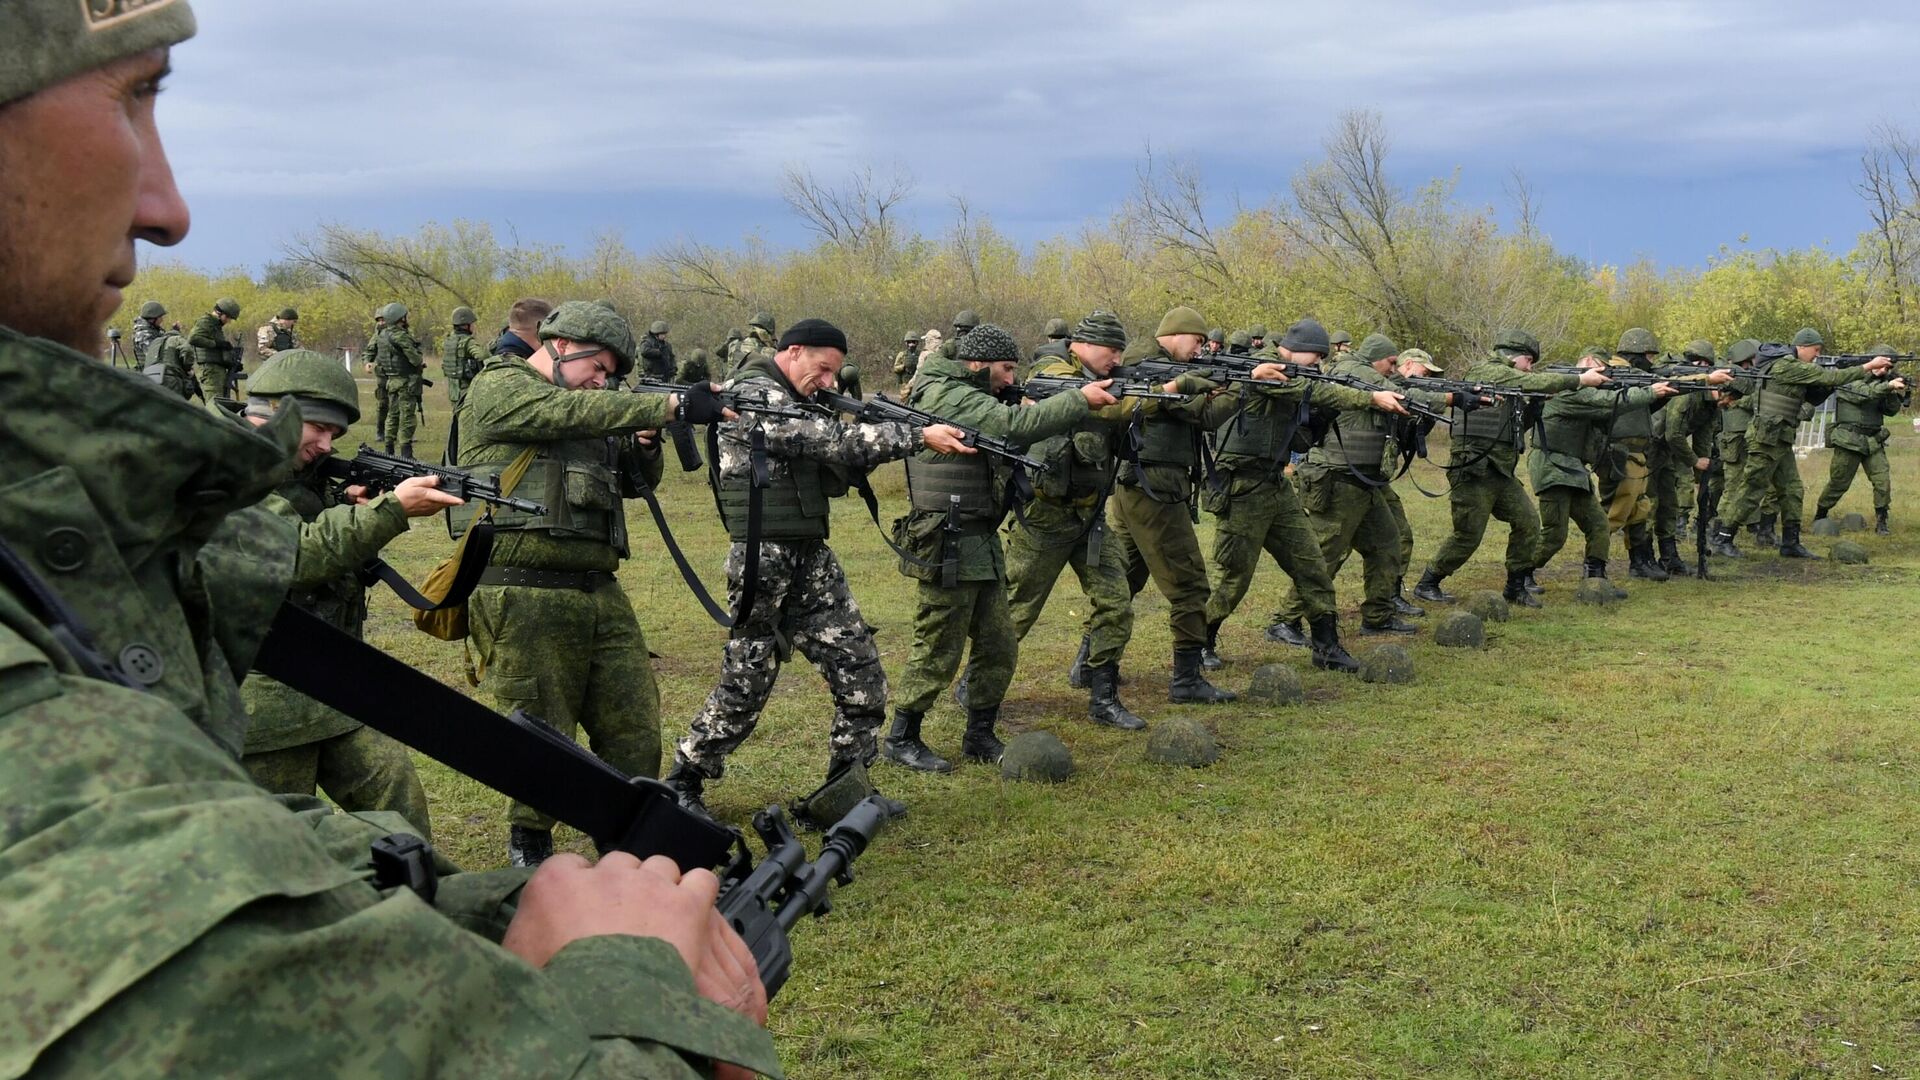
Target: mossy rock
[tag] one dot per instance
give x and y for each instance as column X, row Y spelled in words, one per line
column 1276, row 684
column 1387, row 664
column 1595, row 591
column 1182, row 740
column 1853, row 523
column 1037, row 755
column 1460, row 630
column 1489, row 605
column 1825, row 527
column 1846, row 551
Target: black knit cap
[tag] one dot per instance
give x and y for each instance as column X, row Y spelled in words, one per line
column 1306, row 336
column 813, row 334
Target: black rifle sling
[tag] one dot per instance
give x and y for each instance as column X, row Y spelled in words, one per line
column 517, row 756
column 466, row 577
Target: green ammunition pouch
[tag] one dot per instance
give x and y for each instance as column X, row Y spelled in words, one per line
column 794, row 506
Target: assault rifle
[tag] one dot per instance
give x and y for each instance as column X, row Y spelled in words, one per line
column 681, row 432
column 881, row 409
column 1308, row 371
column 1853, row 360
column 1042, row 387
column 1690, row 381
column 379, row 471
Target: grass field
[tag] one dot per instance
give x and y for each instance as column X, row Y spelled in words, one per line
column 1671, row 838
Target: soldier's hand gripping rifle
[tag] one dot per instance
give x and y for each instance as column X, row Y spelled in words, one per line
column 1308, row 371
column 881, row 409
column 1685, row 379
column 1852, row 360
column 380, row 471
column 1042, row 387
column 1474, row 389
column 680, row 432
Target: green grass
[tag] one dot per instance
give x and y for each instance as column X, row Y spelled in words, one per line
column 1674, row 837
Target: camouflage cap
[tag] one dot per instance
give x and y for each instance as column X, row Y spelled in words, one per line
column 1056, row 328
column 1698, row 349
column 1257, row 330
column 1100, row 328
column 589, row 323
column 1743, row 351
column 321, row 384
column 1636, row 341
column 153, row 309
column 990, row 343
column 462, row 316
column 1181, row 320
column 1807, row 335
column 966, row 320
column 1417, row 356
column 50, row 41
column 1376, row 347
column 658, row 326
column 227, row 306
column 1307, row 335
column 1517, row 341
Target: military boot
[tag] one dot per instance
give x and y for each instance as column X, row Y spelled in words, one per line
column 389, row 447
column 1880, row 526
column 1670, row 559
column 893, row 808
column 528, row 846
column 1721, row 543
column 1402, row 605
column 1103, row 700
column 1077, row 674
column 1516, row 591
column 1684, row 518
column 1597, row 568
column 1820, row 512
column 1531, row 585
column 980, row 743
column 1209, row 656
column 1428, row 589
column 406, row 450
column 1763, row 533
column 688, row 785
column 902, row 746
column 1287, row 632
column 1328, row 653
column 1189, row 685
column 1394, row 625
column 1641, row 564
column 1790, row 542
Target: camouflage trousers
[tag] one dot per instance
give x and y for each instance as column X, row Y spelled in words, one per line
column 380, row 406
column 456, row 391
column 1663, row 494
column 397, row 422
column 1347, row 517
column 802, row 598
column 1400, row 523
column 946, row 622
column 1768, row 465
column 212, row 379
column 1491, row 495
column 1053, row 539
column 1560, row 505
column 575, row 660
column 1157, row 540
column 1257, row 515
column 1623, row 477
column 1840, row 477
column 359, row 770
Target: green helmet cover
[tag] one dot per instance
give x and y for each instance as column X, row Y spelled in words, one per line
column 327, row 393
column 1636, row 341
column 463, row 316
column 153, row 309
column 227, row 306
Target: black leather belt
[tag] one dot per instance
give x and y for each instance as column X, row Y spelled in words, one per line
column 528, row 578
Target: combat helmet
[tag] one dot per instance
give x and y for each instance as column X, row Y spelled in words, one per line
column 327, row 394
column 657, row 327
column 762, row 320
column 966, row 320
column 1058, row 328
column 462, row 316
column 153, row 309
column 227, row 306
column 394, row 312
column 1637, row 341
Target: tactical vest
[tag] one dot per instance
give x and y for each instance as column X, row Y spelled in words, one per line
column 1500, row 422
column 342, row 602
column 451, row 361
column 934, row 484
column 796, row 504
column 388, row 365
column 1562, row 433
column 1255, row 435
column 282, row 338
column 1631, row 422
column 1777, row 399
column 1357, row 437
column 1738, row 413
column 576, row 482
column 1862, row 415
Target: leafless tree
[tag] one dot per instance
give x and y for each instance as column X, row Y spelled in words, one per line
column 1169, row 208
column 856, row 216
column 1889, row 186
column 698, row 270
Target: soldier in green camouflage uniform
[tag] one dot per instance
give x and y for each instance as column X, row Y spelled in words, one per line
column 1571, row 443
column 697, row 367
column 164, row 915
column 755, row 341
column 398, row 363
column 552, row 628
column 169, row 362
column 276, row 335
column 1795, row 379
column 1411, row 364
column 963, row 322
column 1346, row 481
column 952, row 530
column 656, row 353
column 1151, row 508
column 293, row 742
column 1682, row 454
column 1483, row 450
column 1858, row 439
column 801, row 600
column 461, row 357
column 1256, row 338
column 1342, row 343
column 1736, row 415
column 1054, row 348
column 1066, row 524
column 213, row 354
column 906, row 360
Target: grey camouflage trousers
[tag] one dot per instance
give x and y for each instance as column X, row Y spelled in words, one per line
column 803, row 593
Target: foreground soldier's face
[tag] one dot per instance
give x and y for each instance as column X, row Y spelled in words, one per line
column 1183, row 346
column 1523, row 361
column 1099, row 359
column 82, row 176
column 812, row 368
column 1807, row 353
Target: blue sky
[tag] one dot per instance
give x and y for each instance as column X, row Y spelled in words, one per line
column 1660, row 129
